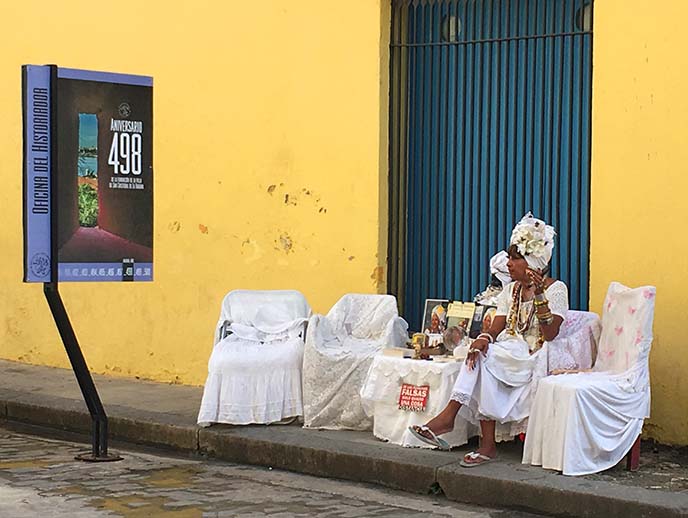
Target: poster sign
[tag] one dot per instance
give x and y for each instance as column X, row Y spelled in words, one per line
column 88, row 175
column 413, row 398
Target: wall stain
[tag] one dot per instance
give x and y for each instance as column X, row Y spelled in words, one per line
column 202, row 228
column 174, row 227
column 378, row 276
column 352, row 257
column 286, row 242
column 292, row 198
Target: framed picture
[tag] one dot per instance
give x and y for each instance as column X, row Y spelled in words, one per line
column 460, row 314
column 477, row 324
column 488, row 316
column 482, row 320
column 435, row 316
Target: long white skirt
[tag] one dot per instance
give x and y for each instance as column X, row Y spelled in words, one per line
column 500, row 387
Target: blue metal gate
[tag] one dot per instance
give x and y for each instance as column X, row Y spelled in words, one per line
column 490, row 107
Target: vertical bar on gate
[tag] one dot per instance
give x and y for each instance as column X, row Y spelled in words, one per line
column 544, row 42
column 435, row 144
column 468, row 153
column 423, row 190
column 485, row 158
column 503, row 120
column 449, row 252
column 538, row 112
column 585, row 195
column 396, row 62
column 393, row 162
column 493, row 50
column 475, row 170
column 583, row 173
column 404, row 132
column 531, row 31
column 443, row 86
column 519, row 184
column 413, row 274
column 572, row 209
column 459, row 157
column 403, row 152
column 560, row 179
column 511, row 118
column 549, row 65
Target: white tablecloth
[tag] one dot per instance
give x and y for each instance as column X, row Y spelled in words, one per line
column 380, row 397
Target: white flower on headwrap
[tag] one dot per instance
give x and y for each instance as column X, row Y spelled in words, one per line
column 534, row 240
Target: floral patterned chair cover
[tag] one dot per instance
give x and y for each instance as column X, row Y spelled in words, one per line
column 339, row 350
column 254, row 371
column 587, row 422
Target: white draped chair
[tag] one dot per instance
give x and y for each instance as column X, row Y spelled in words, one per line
column 254, row 371
column 587, row 422
column 340, row 347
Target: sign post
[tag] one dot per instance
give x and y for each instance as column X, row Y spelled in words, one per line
column 88, row 195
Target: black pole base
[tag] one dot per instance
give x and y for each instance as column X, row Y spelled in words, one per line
column 89, row 457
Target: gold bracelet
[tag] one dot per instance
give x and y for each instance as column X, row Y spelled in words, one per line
column 539, row 303
column 547, row 319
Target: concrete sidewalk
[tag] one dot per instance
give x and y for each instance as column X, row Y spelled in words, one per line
column 163, row 415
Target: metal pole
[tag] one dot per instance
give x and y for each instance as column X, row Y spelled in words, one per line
column 83, row 376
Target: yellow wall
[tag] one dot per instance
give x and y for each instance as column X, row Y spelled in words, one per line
column 639, row 182
column 268, row 124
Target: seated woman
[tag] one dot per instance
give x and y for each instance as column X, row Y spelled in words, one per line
column 495, row 384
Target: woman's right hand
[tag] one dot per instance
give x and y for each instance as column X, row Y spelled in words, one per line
column 478, row 346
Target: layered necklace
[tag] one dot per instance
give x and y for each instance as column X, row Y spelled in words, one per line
column 516, row 322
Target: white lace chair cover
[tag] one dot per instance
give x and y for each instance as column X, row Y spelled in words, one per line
column 254, row 371
column 587, row 422
column 339, row 350
column 576, row 345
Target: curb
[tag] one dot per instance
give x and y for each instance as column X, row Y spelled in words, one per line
column 356, row 457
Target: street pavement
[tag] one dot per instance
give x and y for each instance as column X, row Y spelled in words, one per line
column 164, row 415
column 40, row 478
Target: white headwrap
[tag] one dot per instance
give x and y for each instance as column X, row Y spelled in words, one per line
column 440, row 312
column 498, row 267
column 534, row 240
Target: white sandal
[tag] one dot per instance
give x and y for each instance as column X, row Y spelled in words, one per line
column 435, row 441
column 474, row 455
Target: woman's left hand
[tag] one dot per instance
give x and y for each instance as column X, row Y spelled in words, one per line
column 478, row 347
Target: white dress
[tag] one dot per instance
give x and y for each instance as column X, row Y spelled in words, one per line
column 501, row 385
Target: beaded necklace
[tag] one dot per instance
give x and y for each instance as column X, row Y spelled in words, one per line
column 515, row 324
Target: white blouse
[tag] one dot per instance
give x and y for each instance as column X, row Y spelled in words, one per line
column 558, row 296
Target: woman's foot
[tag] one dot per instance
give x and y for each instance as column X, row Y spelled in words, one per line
column 439, row 426
column 479, row 456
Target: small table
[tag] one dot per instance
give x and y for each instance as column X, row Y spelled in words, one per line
column 380, row 397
